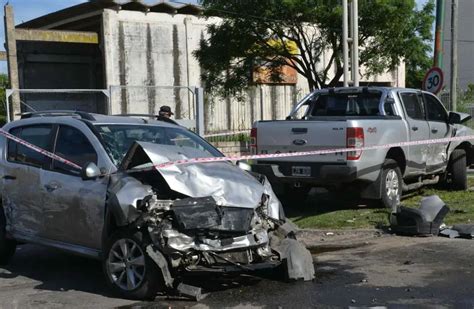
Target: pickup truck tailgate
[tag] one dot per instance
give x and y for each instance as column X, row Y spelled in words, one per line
column 293, row 136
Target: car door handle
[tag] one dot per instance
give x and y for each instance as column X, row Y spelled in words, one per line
column 9, row 177
column 434, row 131
column 52, row 186
column 414, row 128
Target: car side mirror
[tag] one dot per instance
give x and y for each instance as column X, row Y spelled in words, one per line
column 454, row 118
column 90, row 171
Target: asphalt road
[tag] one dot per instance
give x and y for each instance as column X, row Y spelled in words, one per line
column 386, row 270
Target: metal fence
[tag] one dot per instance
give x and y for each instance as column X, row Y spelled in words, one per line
column 187, row 103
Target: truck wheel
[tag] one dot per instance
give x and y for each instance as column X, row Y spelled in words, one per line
column 7, row 246
column 392, row 181
column 457, row 168
column 128, row 268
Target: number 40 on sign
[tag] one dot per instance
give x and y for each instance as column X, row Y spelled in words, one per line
column 433, row 81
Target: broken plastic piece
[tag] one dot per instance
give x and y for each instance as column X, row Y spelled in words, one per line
column 459, row 231
column 299, row 262
column 190, row 291
column 423, row 221
column 160, row 260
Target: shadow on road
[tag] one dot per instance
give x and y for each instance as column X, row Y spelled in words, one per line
column 56, row 271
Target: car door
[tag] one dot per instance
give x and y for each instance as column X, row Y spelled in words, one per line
column 418, row 130
column 73, row 207
column 21, row 192
column 437, row 117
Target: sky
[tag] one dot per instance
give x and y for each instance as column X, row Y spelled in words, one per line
column 25, row 10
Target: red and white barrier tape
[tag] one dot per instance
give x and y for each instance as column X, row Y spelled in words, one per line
column 250, row 157
column 38, row 149
column 247, row 132
column 314, row 152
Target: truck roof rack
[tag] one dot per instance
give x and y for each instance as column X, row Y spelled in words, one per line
column 83, row 115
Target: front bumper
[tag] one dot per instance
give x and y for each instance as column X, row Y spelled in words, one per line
column 321, row 174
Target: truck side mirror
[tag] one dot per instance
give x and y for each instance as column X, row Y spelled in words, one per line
column 454, row 118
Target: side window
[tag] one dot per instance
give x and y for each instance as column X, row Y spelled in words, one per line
column 73, row 145
column 435, row 109
column 413, row 105
column 39, row 135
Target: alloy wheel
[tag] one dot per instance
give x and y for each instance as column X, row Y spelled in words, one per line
column 126, row 264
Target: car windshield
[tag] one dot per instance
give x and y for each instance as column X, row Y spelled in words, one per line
column 118, row 139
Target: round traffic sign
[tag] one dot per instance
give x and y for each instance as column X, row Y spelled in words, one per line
column 433, row 81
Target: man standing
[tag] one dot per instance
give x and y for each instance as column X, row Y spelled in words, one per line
column 165, row 114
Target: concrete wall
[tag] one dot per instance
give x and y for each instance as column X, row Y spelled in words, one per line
column 155, row 49
column 465, row 44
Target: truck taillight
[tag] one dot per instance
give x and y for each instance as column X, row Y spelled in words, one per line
column 355, row 139
column 253, row 141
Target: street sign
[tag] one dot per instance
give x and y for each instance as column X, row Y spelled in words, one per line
column 433, row 81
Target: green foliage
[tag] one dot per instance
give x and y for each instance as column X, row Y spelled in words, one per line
column 419, row 62
column 336, row 212
column 389, row 31
column 4, row 84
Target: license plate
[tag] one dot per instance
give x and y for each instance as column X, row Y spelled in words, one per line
column 301, row 171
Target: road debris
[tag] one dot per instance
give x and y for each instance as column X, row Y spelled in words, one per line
column 423, row 221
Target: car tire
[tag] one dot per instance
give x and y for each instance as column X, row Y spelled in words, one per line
column 391, row 184
column 457, row 168
column 7, row 246
column 131, row 274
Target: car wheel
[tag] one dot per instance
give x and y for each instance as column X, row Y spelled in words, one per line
column 457, row 168
column 392, row 181
column 128, row 268
column 7, row 246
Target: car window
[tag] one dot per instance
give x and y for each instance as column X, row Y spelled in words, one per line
column 73, row 145
column 413, row 105
column 346, row 104
column 435, row 110
column 38, row 135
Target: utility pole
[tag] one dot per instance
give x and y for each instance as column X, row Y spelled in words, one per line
column 355, row 43
column 345, row 44
column 354, row 40
column 454, row 53
column 439, row 34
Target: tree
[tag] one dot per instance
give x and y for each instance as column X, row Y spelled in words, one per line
column 4, row 84
column 262, row 32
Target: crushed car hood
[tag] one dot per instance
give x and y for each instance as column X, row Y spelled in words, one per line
column 225, row 182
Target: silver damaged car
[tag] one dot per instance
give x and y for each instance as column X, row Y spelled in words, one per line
column 149, row 226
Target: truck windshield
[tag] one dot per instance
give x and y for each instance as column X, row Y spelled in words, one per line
column 117, row 139
column 346, row 104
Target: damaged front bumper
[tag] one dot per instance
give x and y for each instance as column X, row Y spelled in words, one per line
column 197, row 235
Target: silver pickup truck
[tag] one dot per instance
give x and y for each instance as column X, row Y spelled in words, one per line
column 365, row 116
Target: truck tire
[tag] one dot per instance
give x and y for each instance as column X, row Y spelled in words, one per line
column 129, row 271
column 7, row 246
column 391, row 184
column 457, row 169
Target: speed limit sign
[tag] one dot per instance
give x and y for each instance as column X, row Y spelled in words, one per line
column 433, row 80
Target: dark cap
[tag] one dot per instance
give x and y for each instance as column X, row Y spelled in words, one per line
column 166, row 109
